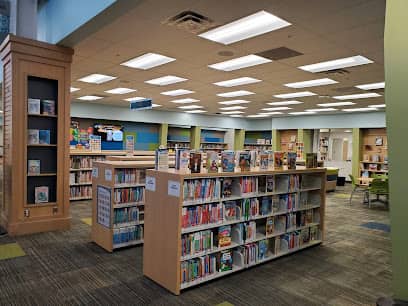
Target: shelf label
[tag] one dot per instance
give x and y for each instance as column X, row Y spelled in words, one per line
column 108, row 174
column 150, row 183
column 95, row 173
column 173, row 188
column 103, row 200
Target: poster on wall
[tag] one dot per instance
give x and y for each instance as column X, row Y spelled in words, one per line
column 103, row 206
column 130, row 143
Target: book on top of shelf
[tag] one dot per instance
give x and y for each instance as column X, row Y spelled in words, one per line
column 278, row 159
column 33, row 136
column 263, row 161
column 228, row 161
column 162, row 159
column 33, row 167
column 33, row 106
column 254, row 157
column 48, row 107
column 291, row 160
column 41, row 194
column 212, row 162
column 245, row 161
column 182, row 159
column 44, row 136
column 311, row 160
column 195, row 162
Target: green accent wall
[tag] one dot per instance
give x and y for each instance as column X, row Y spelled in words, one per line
column 276, row 144
column 195, row 137
column 396, row 79
column 356, row 152
column 239, row 139
column 306, row 136
column 163, row 131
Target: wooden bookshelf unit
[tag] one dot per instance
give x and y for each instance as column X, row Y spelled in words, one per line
column 118, row 204
column 374, row 152
column 207, row 225
column 288, row 139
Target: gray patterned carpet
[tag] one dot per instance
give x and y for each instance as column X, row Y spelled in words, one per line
column 353, row 267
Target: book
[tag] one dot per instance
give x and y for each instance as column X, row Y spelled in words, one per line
column 212, row 162
column 270, row 226
column 33, row 167
column 161, row 159
column 41, row 194
column 44, row 136
column 263, row 161
column 291, row 161
column 263, row 249
column 224, row 236
column 278, row 160
column 33, row 137
column 225, row 261
column 48, row 107
column 182, row 159
column 33, row 106
column 245, row 161
column 226, row 187
column 195, row 162
column 311, row 160
column 270, row 183
column 231, row 211
column 228, row 161
column 253, row 158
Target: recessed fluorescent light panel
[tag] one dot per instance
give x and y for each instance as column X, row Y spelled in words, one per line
column 155, row 105
column 148, row 60
column 237, row 93
column 233, row 107
column 302, row 113
column 311, row 83
column 120, row 91
column 253, row 25
column 240, row 62
column 371, row 86
column 186, row 100
column 166, row 80
column 237, row 82
column 196, row 111
column 257, row 116
column 377, row 106
column 72, row 89
column 190, row 106
column 295, row 95
column 232, row 113
column 276, row 108
column 97, row 78
column 336, row 104
column 177, row 92
column 284, row 103
column 337, row 64
column 89, row 98
column 358, row 96
column 134, row 99
column 321, row 110
column 359, row 109
column 233, row 102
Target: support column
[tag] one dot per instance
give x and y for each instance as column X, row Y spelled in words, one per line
column 239, row 139
column 276, row 143
column 396, row 78
column 356, row 152
column 195, row 137
column 163, row 131
column 306, row 136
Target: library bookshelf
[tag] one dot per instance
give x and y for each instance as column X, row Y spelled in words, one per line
column 118, row 204
column 248, row 218
column 374, row 153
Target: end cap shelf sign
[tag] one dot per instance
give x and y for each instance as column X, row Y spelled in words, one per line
column 141, row 104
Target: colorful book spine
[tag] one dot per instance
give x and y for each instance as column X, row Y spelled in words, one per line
column 201, row 189
column 127, row 234
column 197, row 242
column 129, row 195
column 127, row 214
column 197, row 268
column 201, row 215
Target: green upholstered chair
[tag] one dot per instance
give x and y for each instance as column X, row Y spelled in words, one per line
column 378, row 187
column 357, row 188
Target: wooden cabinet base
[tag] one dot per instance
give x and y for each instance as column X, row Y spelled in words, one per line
column 33, row 226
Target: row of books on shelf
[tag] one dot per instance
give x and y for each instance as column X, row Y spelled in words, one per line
column 241, row 210
column 245, row 255
column 375, row 158
column 80, row 177
column 206, row 189
column 129, row 195
column 80, row 192
column 127, row 234
column 130, row 176
column 35, row 137
column 40, row 106
column 81, row 162
column 374, row 167
column 127, row 214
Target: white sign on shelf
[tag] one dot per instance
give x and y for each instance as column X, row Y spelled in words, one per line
column 95, row 173
column 150, row 183
column 108, row 174
column 103, row 200
column 173, row 188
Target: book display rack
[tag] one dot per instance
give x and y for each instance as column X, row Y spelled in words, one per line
column 374, row 153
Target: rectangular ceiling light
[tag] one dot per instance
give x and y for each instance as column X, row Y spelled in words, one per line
column 371, row 86
column 232, row 113
column 302, row 113
column 284, row 103
column 90, row 98
column 186, row 100
column 237, row 82
column 134, row 99
column 321, row 110
column 147, row 61
column 196, row 111
column 358, row 96
column 363, row 109
column 237, row 93
column 193, row 106
column 336, row 104
column 72, row 89
column 166, row 80
column 233, row 102
column 377, row 106
column 177, row 92
column 257, row 116
column 253, row 25
column 311, row 83
column 233, row 107
column 155, row 105
column 120, row 91
column 276, row 108
column 337, row 64
column 97, row 78
column 295, row 95
column 240, row 62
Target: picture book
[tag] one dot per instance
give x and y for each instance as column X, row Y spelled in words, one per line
column 278, row 159
column 228, row 161
column 263, row 249
column 224, row 236
column 212, row 162
column 266, row 205
column 311, row 160
column 263, row 161
column 162, row 159
column 226, row 187
column 44, row 136
column 33, row 137
column 261, row 184
column 291, row 160
column 33, row 106
column 270, row 183
column 253, row 158
column 195, row 162
column 48, row 107
column 182, row 159
column 33, row 167
column 270, row 226
column 225, row 261
column 41, row 194
column 231, row 211
column 245, row 161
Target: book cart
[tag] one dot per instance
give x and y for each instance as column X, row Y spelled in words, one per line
column 203, row 226
column 118, row 204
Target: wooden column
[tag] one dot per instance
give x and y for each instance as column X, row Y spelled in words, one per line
column 195, row 137
column 239, row 139
column 163, row 132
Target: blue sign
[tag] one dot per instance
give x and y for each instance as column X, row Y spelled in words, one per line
column 141, row 104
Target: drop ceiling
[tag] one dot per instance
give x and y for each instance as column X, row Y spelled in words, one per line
column 321, row 30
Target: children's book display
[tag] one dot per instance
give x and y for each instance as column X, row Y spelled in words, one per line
column 195, row 162
column 182, row 159
column 161, row 159
column 212, row 162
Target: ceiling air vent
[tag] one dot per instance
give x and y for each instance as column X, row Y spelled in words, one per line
column 190, row 21
column 336, row 72
column 279, row 53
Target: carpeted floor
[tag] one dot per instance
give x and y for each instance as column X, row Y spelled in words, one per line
column 353, row 267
